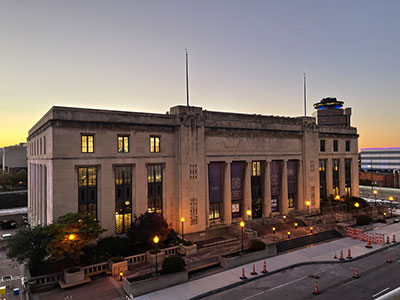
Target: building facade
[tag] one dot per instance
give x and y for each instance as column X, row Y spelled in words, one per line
column 380, row 159
column 14, row 158
column 207, row 167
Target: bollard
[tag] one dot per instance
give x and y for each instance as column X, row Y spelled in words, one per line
column 349, row 254
column 394, row 238
column 335, row 257
column 316, row 291
column 243, row 274
column 387, row 240
column 341, row 255
column 389, row 259
column 368, row 245
column 264, row 268
column 356, row 276
column 254, row 270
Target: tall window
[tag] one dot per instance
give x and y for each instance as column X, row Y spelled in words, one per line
column 256, row 189
column 154, row 144
column 347, row 172
column 322, row 145
column 123, row 144
column 347, row 146
column 154, row 188
column 335, row 176
column 215, row 210
column 123, row 199
column 44, row 145
column 87, row 143
column 322, row 178
column 292, row 182
column 87, row 191
column 335, row 145
column 215, row 189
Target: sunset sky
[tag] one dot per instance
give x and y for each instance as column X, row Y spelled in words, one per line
column 245, row 56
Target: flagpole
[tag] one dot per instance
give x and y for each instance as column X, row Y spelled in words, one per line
column 305, row 95
column 187, row 79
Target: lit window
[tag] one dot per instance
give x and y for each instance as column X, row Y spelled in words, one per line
column 154, row 144
column 256, row 168
column 87, row 144
column 123, row 144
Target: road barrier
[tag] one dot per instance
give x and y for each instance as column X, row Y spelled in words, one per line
column 389, row 259
column 349, row 254
column 356, row 276
column 341, row 255
column 264, row 268
column 254, row 270
column 243, row 274
column 394, row 238
column 371, row 238
column 316, row 291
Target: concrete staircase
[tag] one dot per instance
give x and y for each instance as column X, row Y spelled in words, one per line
column 294, row 243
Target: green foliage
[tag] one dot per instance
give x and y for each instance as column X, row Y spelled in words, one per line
column 187, row 243
column 145, row 227
column 363, row 220
column 256, row 245
column 116, row 246
column 30, row 246
column 6, row 180
column 172, row 239
column 350, row 203
column 173, row 264
column 82, row 228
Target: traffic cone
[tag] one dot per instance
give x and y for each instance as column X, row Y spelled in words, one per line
column 368, row 245
column 349, row 254
column 387, row 240
column 394, row 238
column 356, row 276
column 264, row 268
column 341, row 255
column 316, row 291
column 335, row 257
column 254, row 270
column 389, row 259
column 243, row 274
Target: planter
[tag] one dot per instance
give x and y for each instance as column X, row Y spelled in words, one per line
column 188, row 250
column 149, row 285
column 74, row 277
column 242, row 259
column 151, row 258
column 117, row 266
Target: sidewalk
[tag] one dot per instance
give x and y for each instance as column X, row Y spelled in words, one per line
column 322, row 252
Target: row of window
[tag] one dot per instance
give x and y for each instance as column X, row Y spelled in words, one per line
column 335, row 177
column 335, row 146
column 38, row 146
column 87, row 193
column 87, row 143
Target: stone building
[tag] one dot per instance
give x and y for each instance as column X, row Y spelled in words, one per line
column 14, row 158
column 207, row 167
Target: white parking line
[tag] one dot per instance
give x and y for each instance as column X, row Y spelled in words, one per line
column 384, row 290
column 274, row 288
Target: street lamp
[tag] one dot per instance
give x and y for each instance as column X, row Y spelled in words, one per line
column 375, row 192
column 311, row 229
column 308, row 203
column 284, row 218
column 156, row 240
column 120, row 276
column 71, row 237
column 248, row 218
column 183, row 222
column 273, row 230
column 357, row 205
column 337, row 197
column 295, row 225
column 242, row 226
column 391, row 206
column 288, row 234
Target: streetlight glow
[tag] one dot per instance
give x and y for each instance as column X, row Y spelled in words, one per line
column 375, row 192
column 182, row 219
column 71, row 237
column 248, row 212
column 241, row 224
column 308, row 203
column 357, row 205
column 337, row 197
column 156, row 240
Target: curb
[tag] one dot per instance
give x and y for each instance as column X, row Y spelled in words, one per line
column 239, row 283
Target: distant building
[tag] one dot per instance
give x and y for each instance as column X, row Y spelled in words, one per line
column 380, row 159
column 1, row 158
column 14, row 158
column 207, row 167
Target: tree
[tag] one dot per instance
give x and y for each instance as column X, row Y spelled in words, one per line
column 20, row 178
column 5, row 180
column 145, row 227
column 30, row 245
column 72, row 233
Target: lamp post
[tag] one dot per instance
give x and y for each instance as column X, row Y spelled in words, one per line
column 391, row 206
column 273, row 230
column 357, row 205
column 284, row 218
column 156, row 240
column 337, row 197
column 242, row 226
column 295, row 225
column 375, row 192
column 183, row 234
column 120, row 276
column 248, row 212
column 311, row 229
column 308, row 203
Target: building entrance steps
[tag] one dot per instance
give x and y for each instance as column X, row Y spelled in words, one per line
column 315, row 254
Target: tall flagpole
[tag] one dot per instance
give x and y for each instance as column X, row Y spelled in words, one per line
column 305, row 95
column 187, row 79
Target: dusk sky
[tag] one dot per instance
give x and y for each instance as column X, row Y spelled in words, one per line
column 244, row 56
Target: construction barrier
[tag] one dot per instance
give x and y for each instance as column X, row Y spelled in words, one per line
column 373, row 238
column 379, row 239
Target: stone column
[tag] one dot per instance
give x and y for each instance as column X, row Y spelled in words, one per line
column 329, row 177
column 342, row 177
column 37, row 199
column 247, row 190
column 300, row 191
column 266, row 205
column 284, row 196
column 355, row 191
column 227, row 194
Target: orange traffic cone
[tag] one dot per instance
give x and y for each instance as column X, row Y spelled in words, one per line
column 335, row 257
column 341, row 255
column 387, row 240
column 243, row 274
column 356, row 276
column 254, row 270
column 349, row 254
column 264, row 268
column 389, row 259
column 394, row 239
column 316, row 291
column 368, row 245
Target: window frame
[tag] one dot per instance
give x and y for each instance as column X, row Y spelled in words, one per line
column 322, row 146
column 87, row 142
column 154, row 144
column 123, row 136
column 348, row 146
column 335, row 145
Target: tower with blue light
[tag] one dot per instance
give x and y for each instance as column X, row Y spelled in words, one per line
column 330, row 112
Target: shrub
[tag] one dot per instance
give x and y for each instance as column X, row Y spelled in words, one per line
column 187, row 243
column 256, row 245
column 363, row 220
column 115, row 246
column 172, row 239
column 173, row 264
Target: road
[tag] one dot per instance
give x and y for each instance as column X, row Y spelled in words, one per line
column 335, row 281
